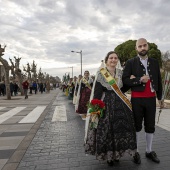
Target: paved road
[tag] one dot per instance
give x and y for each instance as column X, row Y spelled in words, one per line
column 19, row 121
column 58, row 143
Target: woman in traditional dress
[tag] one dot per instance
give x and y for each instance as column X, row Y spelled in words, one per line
column 71, row 91
column 76, row 89
column 115, row 132
column 83, row 94
column 70, row 88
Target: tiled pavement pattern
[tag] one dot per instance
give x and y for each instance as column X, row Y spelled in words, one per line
column 59, row 146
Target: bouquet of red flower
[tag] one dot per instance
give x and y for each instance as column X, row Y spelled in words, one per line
column 96, row 108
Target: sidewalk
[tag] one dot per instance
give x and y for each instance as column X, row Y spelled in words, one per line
column 59, row 145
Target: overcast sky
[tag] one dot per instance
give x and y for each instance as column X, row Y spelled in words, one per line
column 46, row 31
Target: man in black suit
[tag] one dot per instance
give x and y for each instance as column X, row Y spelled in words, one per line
column 142, row 75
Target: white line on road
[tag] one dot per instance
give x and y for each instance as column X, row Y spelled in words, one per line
column 60, row 114
column 33, row 115
column 10, row 113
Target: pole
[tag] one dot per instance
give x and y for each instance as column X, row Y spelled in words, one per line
column 72, row 71
column 81, row 60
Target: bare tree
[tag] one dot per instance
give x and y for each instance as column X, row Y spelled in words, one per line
column 34, row 71
column 12, row 67
column 6, row 68
column 19, row 74
column 29, row 71
column 40, row 76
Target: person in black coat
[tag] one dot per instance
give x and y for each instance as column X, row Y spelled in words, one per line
column 11, row 88
column 15, row 88
column 142, row 74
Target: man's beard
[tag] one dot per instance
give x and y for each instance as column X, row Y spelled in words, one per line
column 143, row 53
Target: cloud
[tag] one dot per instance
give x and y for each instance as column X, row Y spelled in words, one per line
column 48, row 30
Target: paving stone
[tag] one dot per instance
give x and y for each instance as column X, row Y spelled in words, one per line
column 27, row 168
column 81, row 168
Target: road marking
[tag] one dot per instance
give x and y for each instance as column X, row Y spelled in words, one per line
column 2, row 108
column 59, row 114
column 33, row 115
column 10, row 113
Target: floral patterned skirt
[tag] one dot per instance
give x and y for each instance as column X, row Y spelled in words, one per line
column 115, row 133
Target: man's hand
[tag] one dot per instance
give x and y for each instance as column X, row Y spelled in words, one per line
column 144, row 79
column 161, row 104
column 132, row 77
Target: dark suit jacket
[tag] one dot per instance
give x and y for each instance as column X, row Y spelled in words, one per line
column 136, row 68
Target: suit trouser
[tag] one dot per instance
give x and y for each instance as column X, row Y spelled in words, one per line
column 26, row 92
column 144, row 108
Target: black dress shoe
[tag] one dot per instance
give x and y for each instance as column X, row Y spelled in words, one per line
column 136, row 158
column 110, row 163
column 152, row 155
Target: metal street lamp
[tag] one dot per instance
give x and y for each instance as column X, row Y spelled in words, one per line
column 80, row 52
column 72, row 70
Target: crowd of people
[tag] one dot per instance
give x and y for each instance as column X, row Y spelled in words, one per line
column 28, row 87
column 118, row 126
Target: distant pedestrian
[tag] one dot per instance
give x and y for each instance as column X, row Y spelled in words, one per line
column 25, row 85
column 2, row 88
column 11, row 88
column 34, row 86
column 48, row 87
column 15, row 88
column 30, row 87
column 41, row 87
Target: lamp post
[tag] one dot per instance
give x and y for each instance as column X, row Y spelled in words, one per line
column 72, row 70
column 80, row 52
